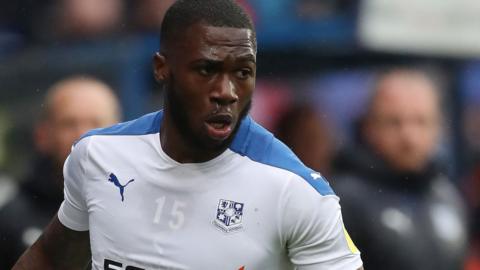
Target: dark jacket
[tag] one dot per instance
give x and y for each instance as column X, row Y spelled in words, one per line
column 32, row 206
column 400, row 220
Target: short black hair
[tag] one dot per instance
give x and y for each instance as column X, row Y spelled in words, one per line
column 219, row 13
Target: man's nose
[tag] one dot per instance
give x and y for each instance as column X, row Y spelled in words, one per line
column 224, row 92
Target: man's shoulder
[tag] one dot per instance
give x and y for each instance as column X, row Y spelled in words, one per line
column 259, row 145
column 144, row 125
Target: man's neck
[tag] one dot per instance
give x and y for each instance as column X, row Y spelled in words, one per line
column 181, row 149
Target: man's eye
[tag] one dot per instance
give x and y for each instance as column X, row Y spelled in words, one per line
column 244, row 73
column 206, row 70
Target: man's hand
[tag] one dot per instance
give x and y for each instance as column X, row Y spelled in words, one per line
column 57, row 248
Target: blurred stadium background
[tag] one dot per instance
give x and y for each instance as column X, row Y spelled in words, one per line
column 324, row 52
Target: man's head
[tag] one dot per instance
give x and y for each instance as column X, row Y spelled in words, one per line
column 207, row 65
column 183, row 14
column 87, row 18
column 403, row 121
column 72, row 107
column 315, row 147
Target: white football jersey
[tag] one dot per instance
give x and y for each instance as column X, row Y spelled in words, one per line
column 256, row 206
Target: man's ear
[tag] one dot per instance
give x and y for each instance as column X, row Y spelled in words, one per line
column 160, row 68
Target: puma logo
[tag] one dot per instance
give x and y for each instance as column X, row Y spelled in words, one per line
column 113, row 178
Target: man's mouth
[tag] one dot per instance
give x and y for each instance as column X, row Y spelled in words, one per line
column 219, row 126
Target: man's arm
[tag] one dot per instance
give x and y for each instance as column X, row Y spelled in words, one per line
column 313, row 228
column 57, row 248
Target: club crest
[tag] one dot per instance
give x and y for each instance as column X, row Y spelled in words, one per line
column 229, row 216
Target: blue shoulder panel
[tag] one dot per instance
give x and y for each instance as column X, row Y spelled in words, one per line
column 147, row 124
column 259, row 145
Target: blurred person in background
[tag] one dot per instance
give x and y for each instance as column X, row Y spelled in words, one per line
column 82, row 20
column 472, row 191
column 147, row 15
column 471, row 185
column 316, row 10
column 403, row 212
column 309, row 136
column 71, row 107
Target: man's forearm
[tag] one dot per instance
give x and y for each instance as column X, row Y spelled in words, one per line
column 33, row 259
column 57, row 248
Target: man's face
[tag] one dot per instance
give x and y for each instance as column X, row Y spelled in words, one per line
column 75, row 109
column 211, row 77
column 404, row 122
